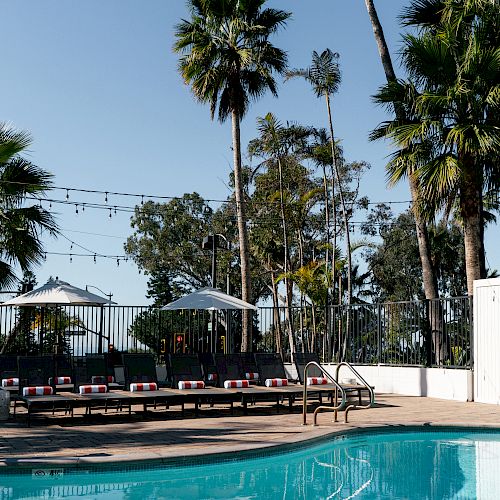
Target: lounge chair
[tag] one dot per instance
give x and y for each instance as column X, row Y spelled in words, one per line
column 98, row 371
column 9, row 377
column 231, row 369
column 35, row 393
column 187, row 380
column 209, row 370
column 141, row 382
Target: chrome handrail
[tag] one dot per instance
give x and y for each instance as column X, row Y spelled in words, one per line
column 338, row 387
column 364, row 383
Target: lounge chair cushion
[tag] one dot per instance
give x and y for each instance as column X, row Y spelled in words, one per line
column 10, row 382
column 90, row 389
column 276, row 382
column 150, row 386
column 101, row 379
column 317, row 380
column 60, row 380
column 191, row 384
column 212, row 377
column 252, row 376
column 231, row 384
column 41, row 390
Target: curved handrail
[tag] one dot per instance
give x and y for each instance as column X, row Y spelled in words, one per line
column 364, row 383
column 329, row 408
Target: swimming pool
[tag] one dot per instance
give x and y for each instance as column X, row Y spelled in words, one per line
column 444, row 463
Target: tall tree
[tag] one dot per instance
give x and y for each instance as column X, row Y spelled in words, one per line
column 451, row 127
column 324, row 77
column 228, row 60
column 21, row 224
column 428, row 273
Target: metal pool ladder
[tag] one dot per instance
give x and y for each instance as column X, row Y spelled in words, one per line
column 364, row 385
column 338, row 388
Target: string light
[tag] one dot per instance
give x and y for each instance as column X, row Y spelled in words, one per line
column 106, row 198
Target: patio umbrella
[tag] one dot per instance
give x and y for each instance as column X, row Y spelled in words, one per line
column 60, row 293
column 210, row 299
column 57, row 292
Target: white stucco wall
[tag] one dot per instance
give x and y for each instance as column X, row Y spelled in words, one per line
column 411, row 381
column 487, row 341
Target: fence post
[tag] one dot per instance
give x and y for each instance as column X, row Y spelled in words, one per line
column 379, row 332
column 427, row 334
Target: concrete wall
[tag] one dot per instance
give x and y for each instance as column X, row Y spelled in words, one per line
column 487, row 341
column 411, row 381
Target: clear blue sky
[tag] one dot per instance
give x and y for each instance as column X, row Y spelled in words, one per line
column 96, row 84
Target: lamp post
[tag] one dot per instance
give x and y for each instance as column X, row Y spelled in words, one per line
column 101, row 319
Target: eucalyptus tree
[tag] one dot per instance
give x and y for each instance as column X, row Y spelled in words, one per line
column 228, row 60
column 21, row 223
column 275, row 145
column 451, row 131
column 324, row 77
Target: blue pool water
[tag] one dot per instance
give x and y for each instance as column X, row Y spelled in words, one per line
column 404, row 465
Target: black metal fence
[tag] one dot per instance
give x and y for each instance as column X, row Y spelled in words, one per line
column 423, row 333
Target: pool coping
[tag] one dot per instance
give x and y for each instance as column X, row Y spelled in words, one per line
column 225, row 453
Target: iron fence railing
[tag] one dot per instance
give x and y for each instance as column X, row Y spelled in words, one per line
column 423, row 333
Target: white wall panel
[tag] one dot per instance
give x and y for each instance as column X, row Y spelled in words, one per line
column 487, row 341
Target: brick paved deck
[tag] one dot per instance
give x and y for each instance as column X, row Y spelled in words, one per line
column 165, row 435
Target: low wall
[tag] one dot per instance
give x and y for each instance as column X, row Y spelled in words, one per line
column 441, row 383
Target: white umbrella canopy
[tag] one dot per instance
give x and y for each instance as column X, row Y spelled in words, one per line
column 210, row 299
column 58, row 292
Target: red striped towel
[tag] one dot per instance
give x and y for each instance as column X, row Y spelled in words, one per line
column 191, row 384
column 91, row 389
column 276, row 382
column 10, row 382
column 231, row 384
column 60, row 380
column 252, row 376
column 317, row 380
column 42, row 390
column 150, row 386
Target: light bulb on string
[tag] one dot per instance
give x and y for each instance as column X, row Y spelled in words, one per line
column 71, row 247
column 70, row 259
column 110, row 213
column 83, row 208
column 95, row 258
column 50, row 205
column 106, row 197
column 118, row 262
column 115, row 209
column 67, row 194
column 76, row 209
column 142, row 199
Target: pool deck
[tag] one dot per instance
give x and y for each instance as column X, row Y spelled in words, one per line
column 165, row 436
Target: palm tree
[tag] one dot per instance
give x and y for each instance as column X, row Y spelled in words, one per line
column 324, row 77
column 428, row 273
column 20, row 225
column 228, row 60
column 452, row 101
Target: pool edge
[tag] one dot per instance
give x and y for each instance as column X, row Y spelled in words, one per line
column 194, row 457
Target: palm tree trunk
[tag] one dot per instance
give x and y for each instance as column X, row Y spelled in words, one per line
column 470, row 208
column 428, row 274
column 246, row 336
column 288, row 284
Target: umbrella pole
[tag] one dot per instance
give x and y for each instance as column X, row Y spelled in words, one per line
column 101, row 324
column 40, row 332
